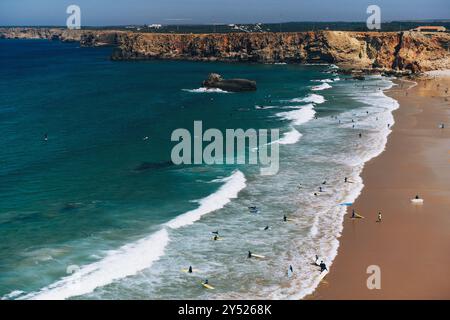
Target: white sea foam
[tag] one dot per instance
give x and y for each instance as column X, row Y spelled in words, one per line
column 132, row 258
column 311, row 98
column 123, row 262
column 299, row 116
column 12, row 295
column 323, row 80
column 384, row 105
column 321, row 87
column 206, row 90
column 290, row 137
column 230, row 190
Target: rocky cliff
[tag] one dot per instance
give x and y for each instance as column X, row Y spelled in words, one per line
column 405, row 51
column 86, row 38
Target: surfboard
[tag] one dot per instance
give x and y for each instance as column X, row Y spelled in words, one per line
column 257, row 256
column 322, row 276
column 417, row 201
column 187, row 270
column 348, row 204
column 289, row 220
column 357, row 216
column 218, row 239
column 207, row 286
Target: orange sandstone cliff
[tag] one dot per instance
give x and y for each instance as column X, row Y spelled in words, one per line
column 408, row 52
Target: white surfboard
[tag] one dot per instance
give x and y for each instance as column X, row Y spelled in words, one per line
column 417, row 201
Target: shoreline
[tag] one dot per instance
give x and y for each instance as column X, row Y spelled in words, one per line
column 409, row 245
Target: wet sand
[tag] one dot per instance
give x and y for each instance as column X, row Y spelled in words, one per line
column 412, row 243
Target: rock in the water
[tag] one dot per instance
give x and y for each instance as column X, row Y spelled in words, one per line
column 233, row 85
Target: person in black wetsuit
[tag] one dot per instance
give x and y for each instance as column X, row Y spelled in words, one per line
column 249, row 254
column 190, row 269
column 323, row 266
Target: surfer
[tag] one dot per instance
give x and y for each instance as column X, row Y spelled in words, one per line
column 353, row 214
column 360, row 135
column 266, row 228
column 291, row 269
column 417, row 197
column 46, row 137
column 249, row 254
column 206, row 281
column 323, row 266
column 345, row 179
column 315, row 194
column 190, row 269
column 320, row 189
column 284, row 218
column 379, row 217
column 216, row 237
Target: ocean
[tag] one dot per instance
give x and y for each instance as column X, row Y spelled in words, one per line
column 98, row 211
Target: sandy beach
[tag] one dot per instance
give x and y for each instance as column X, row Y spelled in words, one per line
column 412, row 243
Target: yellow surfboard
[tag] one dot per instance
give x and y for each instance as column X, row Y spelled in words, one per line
column 187, row 270
column 207, row 286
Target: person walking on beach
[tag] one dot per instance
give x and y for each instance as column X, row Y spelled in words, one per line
column 379, row 217
column 353, row 214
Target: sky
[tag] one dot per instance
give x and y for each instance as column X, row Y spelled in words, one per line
column 123, row 12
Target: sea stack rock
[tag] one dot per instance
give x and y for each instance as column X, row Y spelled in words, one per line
column 233, row 85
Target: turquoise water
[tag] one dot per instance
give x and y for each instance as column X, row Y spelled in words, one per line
column 101, row 198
